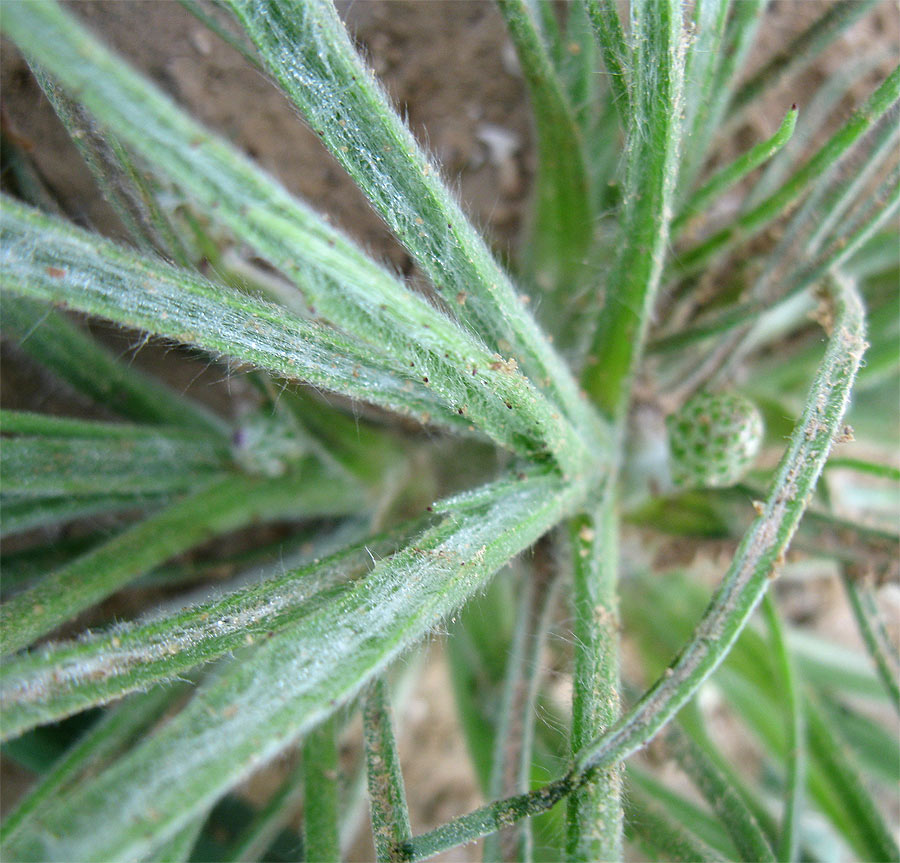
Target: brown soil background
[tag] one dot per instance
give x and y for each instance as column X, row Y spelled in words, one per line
column 451, row 69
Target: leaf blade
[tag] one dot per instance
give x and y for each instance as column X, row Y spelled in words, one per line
column 183, row 767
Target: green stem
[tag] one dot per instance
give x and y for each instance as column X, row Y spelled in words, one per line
column 747, row 578
column 489, row 819
column 320, row 797
column 595, row 807
column 387, row 796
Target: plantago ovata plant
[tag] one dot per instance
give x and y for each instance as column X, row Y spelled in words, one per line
column 653, row 304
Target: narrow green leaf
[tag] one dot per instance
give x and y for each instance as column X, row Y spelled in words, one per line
column 62, row 678
column 218, row 22
column 851, row 187
column 119, row 178
column 253, row 842
column 736, row 171
column 615, row 51
column 218, row 507
column 49, row 457
column 594, row 107
column 744, row 19
column 753, row 800
column 318, row 664
column 764, row 330
column 514, row 749
column 337, row 279
column 106, row 738
column 816, row 122
column 872, row 838
column 651, row 172
column 884, row 471
column 882, row 651
column 714, row 324
column 804, row 49
column 824, row 664
column 877, row 262
column 763, row 213
column 476, row 665
column 547, row 27
column 684, row 811
column 749, row 679
column 66, row 350
column 660, row 831
column 320, row 797
column 307, row 49
column 722, row 797
column 704, row 53
column 52, row 261
column 20, row 514
column 795, row 733
column 562, row 224
column 595, row 808
column 870, row 743
column 37, row 425
column 178, row 849
column 755, row 318
column 747, row 578
column 387, row 795
column 22, row 177
column 575, row 57
column 758, row 708
column 24, row 566
column 869, row 218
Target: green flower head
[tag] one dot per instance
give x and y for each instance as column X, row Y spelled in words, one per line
column 713, row 440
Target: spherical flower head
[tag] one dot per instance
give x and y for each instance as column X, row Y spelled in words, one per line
column 713, row 440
